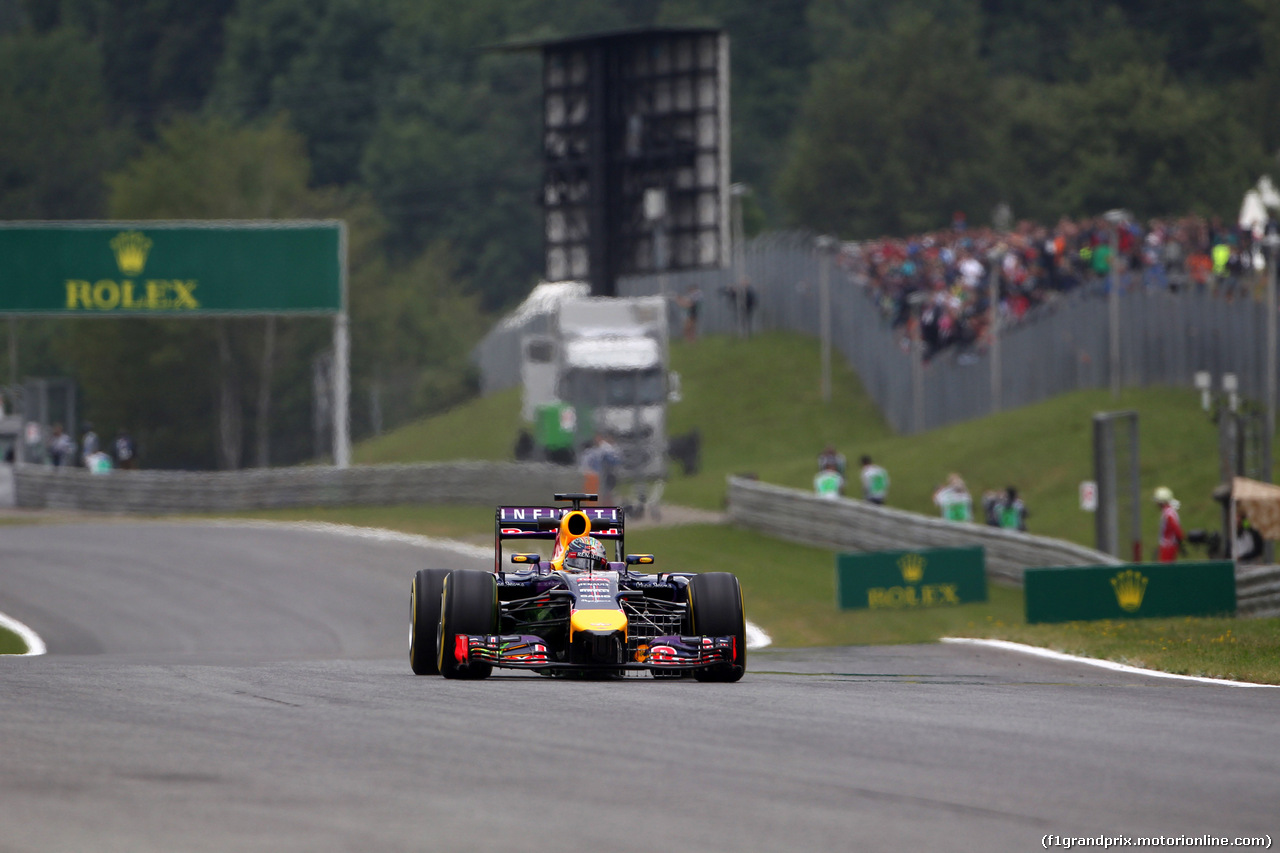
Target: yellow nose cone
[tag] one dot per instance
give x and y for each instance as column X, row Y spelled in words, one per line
column 599, row 621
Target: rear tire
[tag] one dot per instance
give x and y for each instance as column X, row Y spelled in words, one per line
column 715, row 610
column 424, row 620
column 469, row 605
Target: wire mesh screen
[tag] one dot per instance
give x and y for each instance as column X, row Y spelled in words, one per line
column 1058, row 347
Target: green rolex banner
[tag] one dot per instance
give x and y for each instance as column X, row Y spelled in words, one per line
column 902, row 580
column 171, row 268
column 1130, row 591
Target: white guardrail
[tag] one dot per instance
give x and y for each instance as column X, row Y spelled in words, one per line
column 161, row 492
column 854, row 525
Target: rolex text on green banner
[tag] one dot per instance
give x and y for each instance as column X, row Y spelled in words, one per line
column 1130, row 591
column 903, row 580
column 171, row 269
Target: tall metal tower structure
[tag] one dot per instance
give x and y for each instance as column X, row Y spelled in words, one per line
column 635, row 153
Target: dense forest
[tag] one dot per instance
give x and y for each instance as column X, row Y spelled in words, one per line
column 853, row 117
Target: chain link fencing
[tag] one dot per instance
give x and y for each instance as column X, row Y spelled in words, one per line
column 1060, row 346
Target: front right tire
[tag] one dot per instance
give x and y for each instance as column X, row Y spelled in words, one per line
column 424, row 620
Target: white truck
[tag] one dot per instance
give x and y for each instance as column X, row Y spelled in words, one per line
column 601, row 371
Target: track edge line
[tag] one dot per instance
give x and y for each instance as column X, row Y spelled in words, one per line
column 1098, row 662
column 35, row 645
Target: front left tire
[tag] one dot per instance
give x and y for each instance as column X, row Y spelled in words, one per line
column 468, row 606
column 715, row 610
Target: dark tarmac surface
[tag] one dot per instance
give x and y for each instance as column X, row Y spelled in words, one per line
column 215, row 687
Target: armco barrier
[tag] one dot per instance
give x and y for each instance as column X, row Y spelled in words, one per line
column 158, row 492
column 1258, row 591
column 800, row 516
column 847, row 524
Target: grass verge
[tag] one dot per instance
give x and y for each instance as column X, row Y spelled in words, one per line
column 1237, row 649
column 11, row 643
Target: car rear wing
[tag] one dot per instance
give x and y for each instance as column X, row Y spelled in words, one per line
column 543, row 523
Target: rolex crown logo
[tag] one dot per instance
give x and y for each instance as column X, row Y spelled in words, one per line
column 131, row 249
column 1130, row 585
column 912, row 566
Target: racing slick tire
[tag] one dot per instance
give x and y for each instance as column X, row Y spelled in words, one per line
column 424, row 620
column 715, row 610
column 469, row 605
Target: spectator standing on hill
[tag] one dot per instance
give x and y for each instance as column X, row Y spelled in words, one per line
column 831, row 458
column 600, row 463
column 62, row 448
column 690, row 302
column 98, row 462
column 1249, row 544
column 1169, row 537
column 126, row 451
column 953, row 500
column 991, row 500
column 88, row 443
column 829, row 483
column 748, row 307
column 875, row 482
column 1010, row 511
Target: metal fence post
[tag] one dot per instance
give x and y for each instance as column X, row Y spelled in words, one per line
column 825, row 245
column 993, row 284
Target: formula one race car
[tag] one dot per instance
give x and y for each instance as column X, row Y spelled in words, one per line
column 577, row 611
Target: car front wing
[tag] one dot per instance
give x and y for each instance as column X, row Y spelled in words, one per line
column 525, row 651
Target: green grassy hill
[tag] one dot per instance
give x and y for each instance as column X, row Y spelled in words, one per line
column 758, row 406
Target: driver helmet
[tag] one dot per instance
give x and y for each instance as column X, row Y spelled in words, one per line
column 585, row 554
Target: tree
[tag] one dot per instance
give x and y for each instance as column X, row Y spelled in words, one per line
column 158, row 55
column 1260, row 98
column 321, row 62
column 198, row 169
column 58, row 136
column 452, row 165
column 1129, row 138
column 889, row 143
column 411, row 327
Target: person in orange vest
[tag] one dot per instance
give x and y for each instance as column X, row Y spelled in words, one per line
column 1169, row 540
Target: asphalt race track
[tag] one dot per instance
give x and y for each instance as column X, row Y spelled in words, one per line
column 240, row 688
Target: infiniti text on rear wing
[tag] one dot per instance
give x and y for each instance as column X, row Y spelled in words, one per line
column 541, row 522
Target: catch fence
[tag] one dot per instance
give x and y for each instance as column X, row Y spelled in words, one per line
column 1061, row 346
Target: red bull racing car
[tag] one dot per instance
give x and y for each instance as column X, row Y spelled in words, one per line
column 578, row 611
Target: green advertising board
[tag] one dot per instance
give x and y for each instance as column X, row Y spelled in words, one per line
column 903, row 580
column 171, row 268
column 1130, row 591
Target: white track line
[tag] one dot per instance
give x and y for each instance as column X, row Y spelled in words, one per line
column 35, row 645
column 1104, row 664
column 756, row 637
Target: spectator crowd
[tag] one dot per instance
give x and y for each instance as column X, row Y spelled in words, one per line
column 939, row 284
